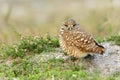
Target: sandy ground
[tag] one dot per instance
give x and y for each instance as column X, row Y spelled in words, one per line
column 107, row 64
column 110, row 61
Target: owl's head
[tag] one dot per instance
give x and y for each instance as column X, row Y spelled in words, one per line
column 70, row 24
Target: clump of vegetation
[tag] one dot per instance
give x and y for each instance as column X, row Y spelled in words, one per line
column 30, row 44
column 35, row 44
column 52, row 69
column 115, row 39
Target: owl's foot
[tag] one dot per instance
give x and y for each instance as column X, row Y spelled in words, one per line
column 72, row 58
column 75, row 60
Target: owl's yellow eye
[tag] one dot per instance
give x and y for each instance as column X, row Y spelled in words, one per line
column 74, row 25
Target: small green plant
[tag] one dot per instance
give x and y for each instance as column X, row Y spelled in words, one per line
column 38, row 44
column 30, row 44
column 115, row 39
column 12, row 51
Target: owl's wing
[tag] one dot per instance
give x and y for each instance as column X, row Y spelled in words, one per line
column 81, row 40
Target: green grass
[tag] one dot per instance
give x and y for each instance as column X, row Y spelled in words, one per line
column 115, row 38
column 52, row 69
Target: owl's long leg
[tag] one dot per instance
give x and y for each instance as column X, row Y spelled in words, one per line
column 73, row 58
column 89, row 59
column 78, row 61
column 80, row 57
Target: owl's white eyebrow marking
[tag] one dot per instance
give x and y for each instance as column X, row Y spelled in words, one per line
column 62, row 28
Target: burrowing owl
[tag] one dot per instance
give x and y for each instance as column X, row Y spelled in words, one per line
column 76, row 42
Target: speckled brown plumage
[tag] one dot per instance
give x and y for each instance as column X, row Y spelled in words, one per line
column 76, row 42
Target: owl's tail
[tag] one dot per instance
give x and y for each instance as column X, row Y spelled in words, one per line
column 99, row 49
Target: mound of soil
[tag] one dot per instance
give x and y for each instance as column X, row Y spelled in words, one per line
column 107, row 64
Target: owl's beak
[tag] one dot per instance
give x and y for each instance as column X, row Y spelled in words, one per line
column 70, row 27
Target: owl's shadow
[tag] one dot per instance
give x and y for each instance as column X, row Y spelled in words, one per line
column 86, row 61
column 87, row 57
column 90, row 57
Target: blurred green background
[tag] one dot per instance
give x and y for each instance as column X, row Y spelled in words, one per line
column 37, row 17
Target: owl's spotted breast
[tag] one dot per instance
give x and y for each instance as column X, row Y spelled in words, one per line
column 70, row 49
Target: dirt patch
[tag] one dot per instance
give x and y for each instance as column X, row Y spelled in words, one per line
column 110, row 61
column 107, row 64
